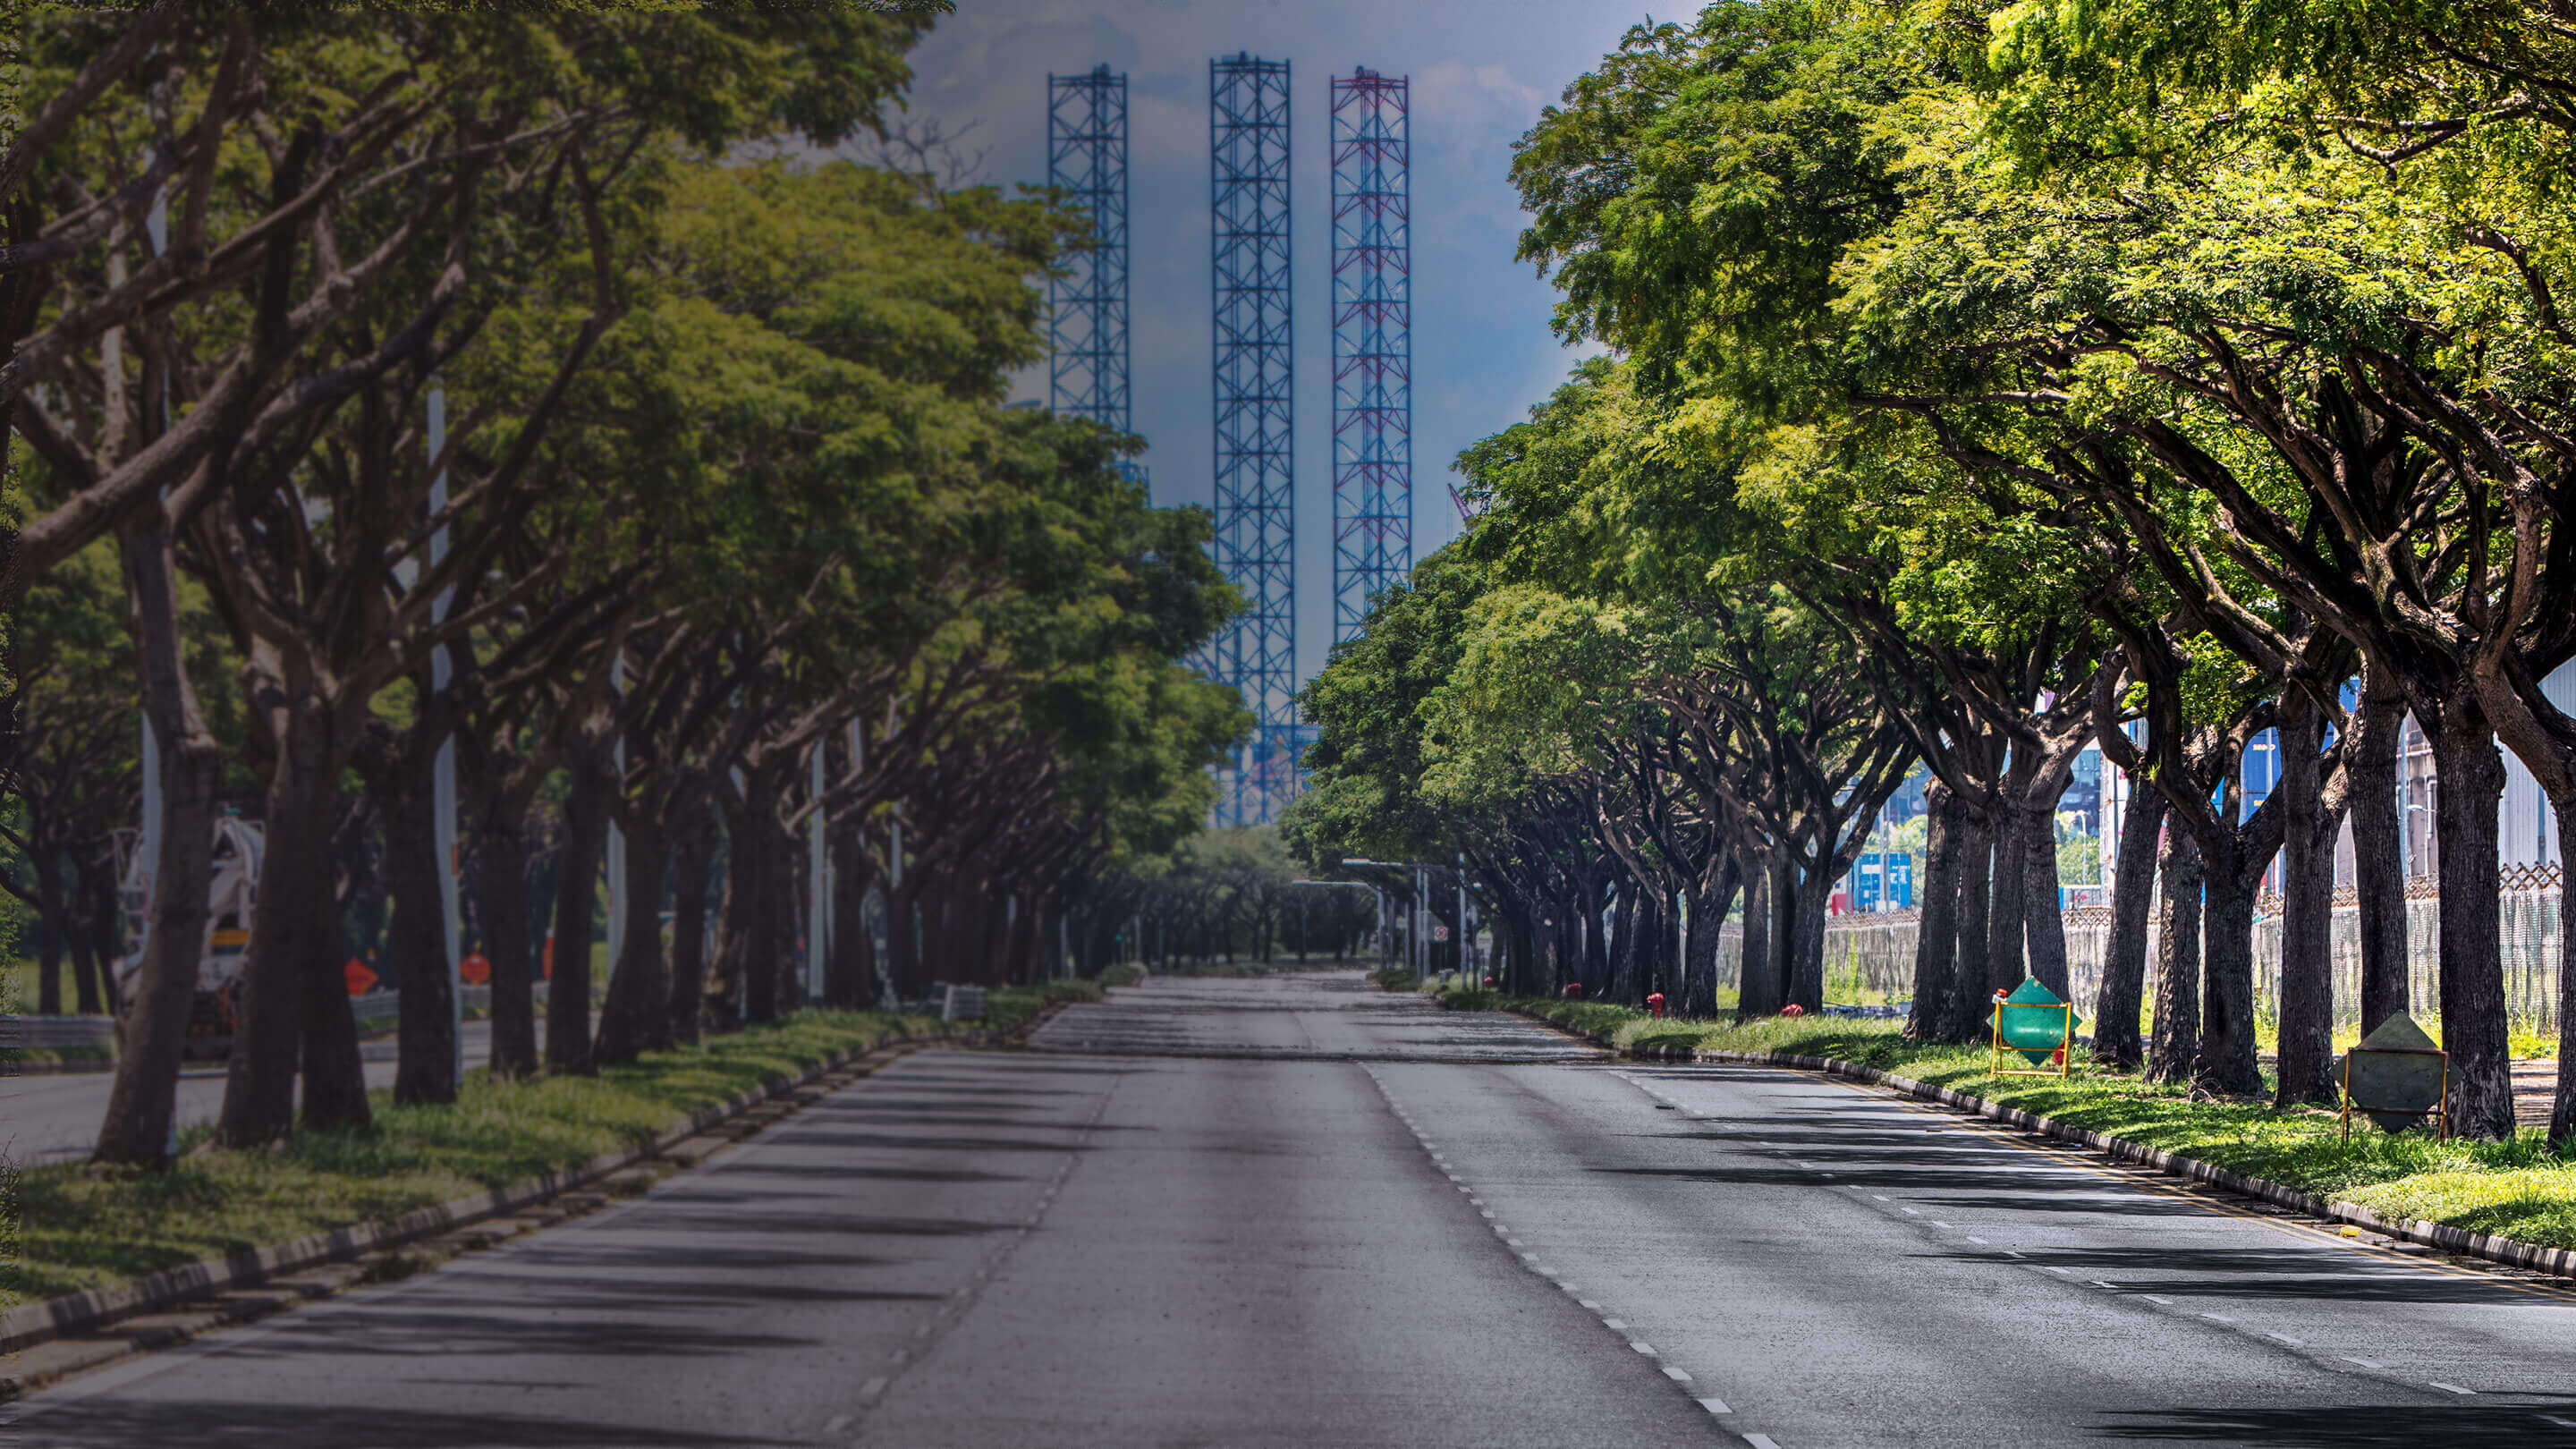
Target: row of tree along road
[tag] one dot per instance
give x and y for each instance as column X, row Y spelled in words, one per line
column 1984, row 382
column 558, row 389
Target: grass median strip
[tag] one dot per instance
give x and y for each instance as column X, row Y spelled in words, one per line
column 83, row 1228
column 2518, row 1188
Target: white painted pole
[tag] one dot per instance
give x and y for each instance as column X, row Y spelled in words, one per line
column 443, row 768
column 156, row 226
column 817, row 882
column 616, row 844
column 1459, row 930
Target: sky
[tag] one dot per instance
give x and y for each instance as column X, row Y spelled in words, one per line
column 1480, row 70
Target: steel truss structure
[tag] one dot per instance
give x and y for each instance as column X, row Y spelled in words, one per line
column 1256, row 533
column 1372, row 343
column 1087, row 374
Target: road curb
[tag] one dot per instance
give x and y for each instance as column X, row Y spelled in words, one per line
column 2508, row 1252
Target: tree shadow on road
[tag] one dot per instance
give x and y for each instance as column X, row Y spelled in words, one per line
column 127, row 1424
column 2358, row 1426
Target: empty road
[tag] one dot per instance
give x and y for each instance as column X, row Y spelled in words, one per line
column 1296, row 1212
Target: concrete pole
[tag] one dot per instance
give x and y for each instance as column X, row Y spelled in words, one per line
column 156, row 227
column 818, row 879
column 616, row 846
column 1460, row 928
column 442, row 788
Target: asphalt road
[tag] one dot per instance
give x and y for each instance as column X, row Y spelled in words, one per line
column 54, row 1116
column 1293, row 1212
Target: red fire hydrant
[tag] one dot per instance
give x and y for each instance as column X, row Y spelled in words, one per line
column 1489, row 980
column 1654, row 1003
column 1574, row 991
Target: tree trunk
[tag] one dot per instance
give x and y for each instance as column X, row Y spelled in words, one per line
column 292, row 987
column 99, row 946
column 693, row 848
column 1936, row 936
column 636, row 1017
column 2124, row 965
column 2174, row 1049
column 2472, row 986
column 850, row 970
column 503, row 846
column 2378, row 870
column 1596, row 946
column 2307, row 908
column 903, row 943
column 1708, row 908
column 1807, row 967
column 755, row 923
column 2043, row 921
column 585, row 837
column 1753, row 954
column 83, row 943
column 416, row 949
column 1763, row 980
column 142, row 1103
column 51, row 920
column 2008, row 888
column 1976, row 872
column 2227, row 1048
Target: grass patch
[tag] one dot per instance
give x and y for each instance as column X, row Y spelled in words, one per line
column 1121, row 975
column 2517, row 1188
column 1394, row 978
column 80, row 1230
column 1009, row 1007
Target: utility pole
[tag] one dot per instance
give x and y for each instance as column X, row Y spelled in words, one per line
column 442, row 789
column 1461, row 927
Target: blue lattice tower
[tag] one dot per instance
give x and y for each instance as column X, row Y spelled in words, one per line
column 1256, row 535
column 1372, row 343
column 1087, row 305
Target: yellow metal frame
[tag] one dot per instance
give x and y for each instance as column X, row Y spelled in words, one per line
column 2440, row 1111
column 1997, row 1048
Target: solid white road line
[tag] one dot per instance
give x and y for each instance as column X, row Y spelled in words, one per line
column 2450, row 1388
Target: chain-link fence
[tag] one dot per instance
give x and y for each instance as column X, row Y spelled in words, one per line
column 1873, row 955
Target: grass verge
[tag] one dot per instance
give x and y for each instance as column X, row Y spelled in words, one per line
column 2518, row 1188
column 83, row 1229
column 1009, row 1008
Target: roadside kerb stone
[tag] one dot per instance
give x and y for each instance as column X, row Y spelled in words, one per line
column 2509, row 1252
